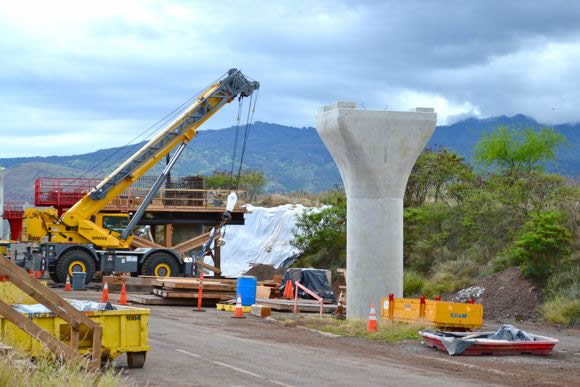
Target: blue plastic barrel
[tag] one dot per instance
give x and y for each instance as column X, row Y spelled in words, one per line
column 247, row 289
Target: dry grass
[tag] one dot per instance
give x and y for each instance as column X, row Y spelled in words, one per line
column 388, row 331
column 562, row 310
column 18, row 371
column 274, row 200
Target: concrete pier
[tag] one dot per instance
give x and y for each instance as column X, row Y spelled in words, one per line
column 375, row 152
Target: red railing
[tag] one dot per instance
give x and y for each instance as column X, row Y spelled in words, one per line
column 310, row 292
column 61, row 192
column 184, row 192
column 13, row 213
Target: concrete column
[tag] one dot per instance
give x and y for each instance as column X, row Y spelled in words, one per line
column 375, row 152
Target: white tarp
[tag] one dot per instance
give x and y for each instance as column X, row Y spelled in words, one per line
column 265, row 238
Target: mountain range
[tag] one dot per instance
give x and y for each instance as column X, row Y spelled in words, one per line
column 293, row 159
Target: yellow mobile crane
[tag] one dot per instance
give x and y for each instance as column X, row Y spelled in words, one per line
column 84, row 239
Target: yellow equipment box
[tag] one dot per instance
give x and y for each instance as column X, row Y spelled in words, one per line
column 442, row 314
column 11, row 294
column 124, row 330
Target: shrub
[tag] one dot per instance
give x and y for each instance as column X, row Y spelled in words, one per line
column 542, row 245
column 565, row 282
column 562, row 310
column 413, row 283
column 451, row 276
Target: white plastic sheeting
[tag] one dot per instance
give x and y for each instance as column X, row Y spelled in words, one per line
column 265, row 238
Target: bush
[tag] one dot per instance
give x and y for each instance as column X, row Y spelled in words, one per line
column 413, row 283
column 451, row 276
column 542, row 245
column 565, row 282
column 562, row 310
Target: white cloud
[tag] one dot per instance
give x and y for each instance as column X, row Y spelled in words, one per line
column 79, row 76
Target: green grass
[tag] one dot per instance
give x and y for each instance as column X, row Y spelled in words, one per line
column 413, row 283
column 388, row 331
column 18, row 371
column 562, row 310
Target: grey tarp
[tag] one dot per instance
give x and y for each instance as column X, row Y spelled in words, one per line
column 313, row 279
column 456, row 344
column 83, row 306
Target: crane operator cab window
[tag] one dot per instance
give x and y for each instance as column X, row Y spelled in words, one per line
column 115, row 222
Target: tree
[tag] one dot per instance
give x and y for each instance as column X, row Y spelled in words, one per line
column 433, row 173
column 321, row 233
column 253, row 182
column 518, row 150
column 542, row 245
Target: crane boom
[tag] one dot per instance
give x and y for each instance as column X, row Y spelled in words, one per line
column 87, row 239
column 181, row 130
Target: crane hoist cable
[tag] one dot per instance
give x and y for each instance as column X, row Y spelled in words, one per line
column 161, row 122
column 232, row 197
column 240, row 107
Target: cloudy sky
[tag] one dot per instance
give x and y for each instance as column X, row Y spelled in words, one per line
column 79, row 76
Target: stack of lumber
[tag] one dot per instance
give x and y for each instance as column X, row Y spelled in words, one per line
column 214, row 290
column 142, row 284
column 274, row 285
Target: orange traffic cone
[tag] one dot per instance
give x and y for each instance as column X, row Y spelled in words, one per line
column 105, row 297
column 123, row 297
column 239, row 313
column 288, row 290
column 372, row 319
column 67, row 286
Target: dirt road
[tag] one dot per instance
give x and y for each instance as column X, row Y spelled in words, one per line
column 210, row 349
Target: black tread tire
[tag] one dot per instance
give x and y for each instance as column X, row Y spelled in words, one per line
column 52, row 275
column 136, row 359
column 75, row 255
column 154, row 259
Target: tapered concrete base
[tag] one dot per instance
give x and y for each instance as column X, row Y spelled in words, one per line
column 375, row 152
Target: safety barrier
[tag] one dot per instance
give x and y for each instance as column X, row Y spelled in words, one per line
column 442, row 314
column 310, row 292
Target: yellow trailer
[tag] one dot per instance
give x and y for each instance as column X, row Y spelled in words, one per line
column 441, row 314
column 125, row 330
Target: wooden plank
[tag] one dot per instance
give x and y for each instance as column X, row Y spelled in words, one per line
column 142, row 242
column 206, row 287
column 53, row 302
column 261, row 310
column 207, row 266
column 288, row 305
column 150, row 299
column 170, row 294
column 263, row 291
column 168, row 235
column 191, row 244
column 54, row 345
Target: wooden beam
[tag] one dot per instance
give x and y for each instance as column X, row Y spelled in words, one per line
column 207, row 266
column 217, row 257
column 142, row 242
column 168, row 235
column 54, row 345
column 56, row 304
column 191, row 244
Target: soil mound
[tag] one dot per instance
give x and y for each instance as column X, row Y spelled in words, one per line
column 505, row 296
column 264, row 272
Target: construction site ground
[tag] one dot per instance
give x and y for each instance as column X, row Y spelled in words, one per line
column 190, row 349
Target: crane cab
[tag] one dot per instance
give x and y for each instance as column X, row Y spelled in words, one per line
column 112, row 222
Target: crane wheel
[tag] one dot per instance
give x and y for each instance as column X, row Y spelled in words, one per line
column 160, row 264
column 74, row 261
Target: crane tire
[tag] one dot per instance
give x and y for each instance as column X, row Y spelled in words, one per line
column 75, row 260
column 160, row 264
